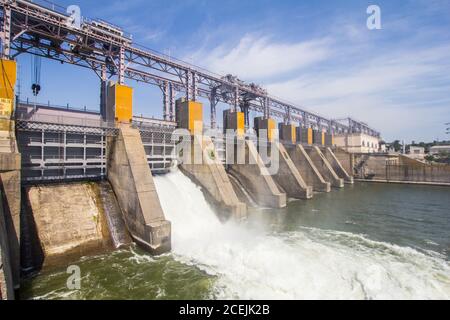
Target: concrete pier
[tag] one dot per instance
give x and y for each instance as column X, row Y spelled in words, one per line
column 288, row 176
column 211, row 175
column 6, row 276
column 304, row 135
column 201, row 162
column 132, row 181
column 318, row 137
column 10, row 165
column 269, row 125
column 336, row 165
column 324, row 167
column 288, row 133
column 346, row 159
column 234, row 121
column 10, row 175
column 307, row 168
column 255, row 177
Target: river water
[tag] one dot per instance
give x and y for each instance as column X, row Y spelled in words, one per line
column 366, row 241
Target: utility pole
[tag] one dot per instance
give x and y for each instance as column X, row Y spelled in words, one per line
column 448, row 128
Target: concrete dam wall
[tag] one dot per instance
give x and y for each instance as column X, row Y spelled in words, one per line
column 63, row 222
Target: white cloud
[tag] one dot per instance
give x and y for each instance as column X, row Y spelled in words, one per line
column 399, row 87
column 256, row 58
column 394, row 93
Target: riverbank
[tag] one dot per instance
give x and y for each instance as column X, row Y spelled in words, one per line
column 423, row 183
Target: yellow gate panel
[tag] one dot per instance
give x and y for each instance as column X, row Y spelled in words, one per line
column 8, row 77
column 195, row 117
column 240, row 130
column 294, row 134
column 310, row 136
column 124, row 103
column 271, row 126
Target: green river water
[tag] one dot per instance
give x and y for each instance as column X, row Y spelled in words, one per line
column 365, row 241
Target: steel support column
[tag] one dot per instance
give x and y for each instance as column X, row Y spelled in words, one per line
column 236, row 99
column 166, row 101
column 6, row 32
column 122, row 65
column 172, row 94
column 213, row 104
column 306, row 121
column 194, row 86
column 103, row 92
column 287, row 119
column 188, row 85
column 266, row 108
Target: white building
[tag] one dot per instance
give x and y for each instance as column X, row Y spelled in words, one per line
column 417, row 153
column 436, row 150
column 358, row 143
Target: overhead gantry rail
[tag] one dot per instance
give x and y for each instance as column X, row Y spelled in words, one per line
column 49, row 31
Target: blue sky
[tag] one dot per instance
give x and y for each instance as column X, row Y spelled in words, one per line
column 317, row 54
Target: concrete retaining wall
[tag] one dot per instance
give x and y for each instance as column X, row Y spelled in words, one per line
column 384, row 167
column 132, row 181
column 400, row 168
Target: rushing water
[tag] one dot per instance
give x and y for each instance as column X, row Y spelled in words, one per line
column 367, row 241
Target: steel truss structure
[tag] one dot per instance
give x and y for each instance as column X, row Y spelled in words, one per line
column 50, row 32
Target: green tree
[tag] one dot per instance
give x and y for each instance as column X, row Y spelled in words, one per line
column 396, row 145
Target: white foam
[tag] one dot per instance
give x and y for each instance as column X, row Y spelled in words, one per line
column 307, row 264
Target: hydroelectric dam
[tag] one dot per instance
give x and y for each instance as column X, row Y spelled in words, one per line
column 186, row 207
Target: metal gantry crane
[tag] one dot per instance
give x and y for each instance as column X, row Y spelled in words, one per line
column 58, row 33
